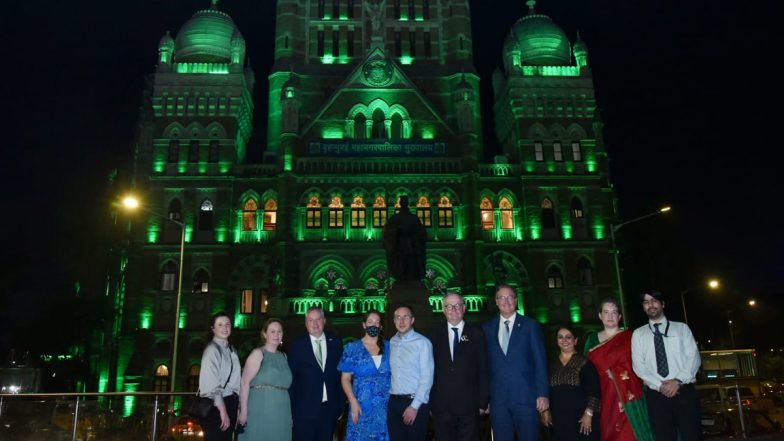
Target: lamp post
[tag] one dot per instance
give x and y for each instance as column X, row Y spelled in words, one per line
column 613, row 230
column 712, row 284
column 131, row 203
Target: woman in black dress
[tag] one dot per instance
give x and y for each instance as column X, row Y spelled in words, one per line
column 574, row 393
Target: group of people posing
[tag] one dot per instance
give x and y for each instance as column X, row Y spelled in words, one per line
column 457, row 374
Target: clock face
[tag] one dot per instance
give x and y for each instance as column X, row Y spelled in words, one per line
column 377, row 72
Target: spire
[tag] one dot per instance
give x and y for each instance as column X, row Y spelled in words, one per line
column 531, row 4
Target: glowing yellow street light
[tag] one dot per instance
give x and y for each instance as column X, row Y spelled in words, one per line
column 713, row 284
column 752, row 302
column 131, row 203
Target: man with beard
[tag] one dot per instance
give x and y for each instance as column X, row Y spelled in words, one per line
column 665, row 356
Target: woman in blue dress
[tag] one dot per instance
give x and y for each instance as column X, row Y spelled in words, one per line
column 366, row 382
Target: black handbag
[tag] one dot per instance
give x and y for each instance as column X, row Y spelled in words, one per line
column 199, row 406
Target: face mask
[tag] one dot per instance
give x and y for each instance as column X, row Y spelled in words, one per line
column 372, row 331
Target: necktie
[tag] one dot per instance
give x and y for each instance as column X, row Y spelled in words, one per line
column 661, row 355
column 455, row 341
column 319, row 354
column 505, row 337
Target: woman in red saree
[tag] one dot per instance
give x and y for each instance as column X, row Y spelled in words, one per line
column 611, row 349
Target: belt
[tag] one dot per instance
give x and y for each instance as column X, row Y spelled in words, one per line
column 402, row 396
column 268, row 386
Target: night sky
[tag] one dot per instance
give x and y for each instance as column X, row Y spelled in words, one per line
column 686, row 89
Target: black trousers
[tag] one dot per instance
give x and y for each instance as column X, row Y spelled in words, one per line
column 211, row 424
column 671, row 416
column 319, row 427
column 449, row 426
column 398, row 430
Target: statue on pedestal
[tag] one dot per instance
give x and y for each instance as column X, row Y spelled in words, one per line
column 404, row 241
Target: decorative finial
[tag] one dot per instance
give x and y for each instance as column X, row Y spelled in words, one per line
column 531, row 4
column 214, row 4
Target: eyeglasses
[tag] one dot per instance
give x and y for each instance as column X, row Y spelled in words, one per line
column 505, row 298
column 402, row 318
column 456, row 307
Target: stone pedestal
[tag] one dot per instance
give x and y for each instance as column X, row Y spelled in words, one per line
column 413, row 294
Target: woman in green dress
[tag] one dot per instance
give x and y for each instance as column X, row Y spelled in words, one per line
column 265, row 409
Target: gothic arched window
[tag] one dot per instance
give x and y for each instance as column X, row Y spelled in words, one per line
column 585, row 272
column 201, row 281
column 359, row 126
column 249, row 215
column 161, row 383
column 270, row 215
column 206, row 215
column 554, row 277
column 169, row 277
column 379, row 212
column 548, row 214
column 379, row 131
column 577, row 209
column 445, row 213
column 336, row 213
column 357, row 212
column 507, row 216
column 486, row 210
column 313, row 213
column 423, row 211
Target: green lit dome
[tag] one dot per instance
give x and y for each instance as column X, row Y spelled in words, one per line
column 206, row 38
column 539, row 41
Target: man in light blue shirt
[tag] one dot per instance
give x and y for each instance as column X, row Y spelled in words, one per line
column 411, row 360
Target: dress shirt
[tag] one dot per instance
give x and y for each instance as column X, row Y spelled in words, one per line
column 323, row 343
column 502, row 327
column 216, row 366
column 683, row 356
column 411, row 360
column 451, row 335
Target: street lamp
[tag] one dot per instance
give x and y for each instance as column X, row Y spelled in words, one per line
column 712, row 284
column 613, row 230
column 131, row 203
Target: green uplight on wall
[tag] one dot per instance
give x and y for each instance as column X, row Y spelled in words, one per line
column 288, row 161
column 406, row 59
column 428, row 132
column 220, row 234
column 530, row 166
column 183, row 319
column 332, row 133
column 145, row 319
column 590, row 166
column 566, row 230
column 158, row 166
column 328, row 59
column 224, row 167
column 574, row 311
column 188, row 232
column 129, row 403
column 541, row 315
column 598, row 229
column 153, row 231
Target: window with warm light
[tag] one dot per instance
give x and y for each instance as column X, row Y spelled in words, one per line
column 246, row 301
column 193, row 377
column 249, row 215
column 313, row 213
column 270, row 215
column 379, row 212
column 336, row 213
column 206, row 215
column 423, row 211
column 445, row 213
column 507, row 216
column 264, row 301
column 161, row 382
column 357, row 212
column 548, row 214
column 486, row 211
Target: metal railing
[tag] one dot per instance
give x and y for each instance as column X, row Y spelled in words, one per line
column 111, row 416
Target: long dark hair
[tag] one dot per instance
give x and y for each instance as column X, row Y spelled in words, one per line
column 213, row 319
column 380, row 341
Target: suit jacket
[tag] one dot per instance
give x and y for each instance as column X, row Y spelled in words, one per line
column 308, row 379
column 460, row 386
column 520, row 375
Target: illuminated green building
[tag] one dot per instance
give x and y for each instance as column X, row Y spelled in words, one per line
column 367, row 102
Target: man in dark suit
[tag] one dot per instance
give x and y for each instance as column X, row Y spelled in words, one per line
column 317, row 399
column 517, row 362
column 460, row 389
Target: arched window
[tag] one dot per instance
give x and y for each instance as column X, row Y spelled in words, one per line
column 313, row 213
column 379, row 212
column 557, row 151
column 201, row 281
column 357, row 212
column 359, row 126
column 507, row 217
column 577, row 152
column 270, row 215
column 423, row 211
column 206, row 216
column 169, row 277
column 249, row 215
column 193, row 377
column 554, row 277
column 486, row 210
column 577, row 209
column 336, row 213
column 585, row 272
column 548, row 214
column 397, row 126
column 174, row 151
column 379, row 131
column 445, row 213
column 175, row 210
column 161, row 382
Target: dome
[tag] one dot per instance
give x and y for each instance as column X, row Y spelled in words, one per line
column 539, row 41
column 207, row 38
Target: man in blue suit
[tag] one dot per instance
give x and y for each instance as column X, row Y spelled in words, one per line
column 519, row 386
column 317, row 400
